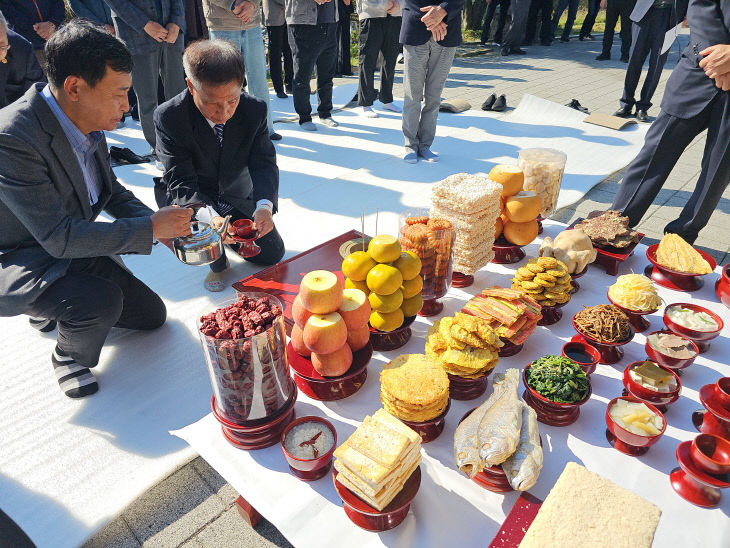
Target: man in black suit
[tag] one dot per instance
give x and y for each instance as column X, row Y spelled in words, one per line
column 651, row 21
column 19, row 68
column 214, row 144
column 696, row 98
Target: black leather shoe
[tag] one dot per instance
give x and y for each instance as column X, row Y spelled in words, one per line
column 577, row 106
column 625, row 59
column 565, row 39
column 489, row 103
column 603, row 57
column 623, row 112
column 124, row 156
column 518, row 51
column 500, row 104
column 505, row 52
column 287, row 88
column 642, row 116
column 275, row 137
column 281, row 95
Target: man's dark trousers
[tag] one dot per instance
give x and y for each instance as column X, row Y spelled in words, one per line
column 278, row 47
column 503, row 9
column 647, row 37
column 95, row 295
column 665, row 142
column 378, row 34
column 614, row 10
column 313, row 46
column 545, row 8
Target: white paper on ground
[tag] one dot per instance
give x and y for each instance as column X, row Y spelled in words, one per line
column 68, row 467
column 451, row 510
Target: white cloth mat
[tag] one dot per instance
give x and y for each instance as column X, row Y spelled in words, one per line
column 451, row 510
column 68, row 467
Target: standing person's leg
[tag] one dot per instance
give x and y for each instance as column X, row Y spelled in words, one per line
column 625, row 8
column 715, row 174
column 546, row 8
column 502, row 21
column 656, row 31
column 326, row 62
column 531, row 27
column 172, row 71
column 288, row 64
column 637, row 56
column 414, row 78
column 254, row 59
column 590, row 20
column 370, row 40
column 572, row 12
column 559, row 9
column 344, row 61
column 145, row 75
column 276, row 37
column 439, row 65
column 488, row 21
column 303, row 40
column 390, row 48
column 517, row 28
column 665, row 142
column 612, row 14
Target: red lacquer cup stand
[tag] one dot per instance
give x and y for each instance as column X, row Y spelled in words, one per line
column 314, row 468
column 245, row 234
column 461, row 280
column 573, row 277
column 509, row 348
column 715, row 418
column 431, row 429
column 506, row 253
column 550, row 412
column 383, row 341
column 626, row 441
column 322, row 388
column 637, row 318
column 551, row 314
column 462, row 389
column 700, row 338
column 693, row 481
column 259, row 433
column 671, row 279
column 610, row 352
column 722, row 286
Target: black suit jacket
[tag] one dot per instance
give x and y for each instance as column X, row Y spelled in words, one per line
column 196, row 169
column 21, row 70
column 689, row 90
column 414, row 33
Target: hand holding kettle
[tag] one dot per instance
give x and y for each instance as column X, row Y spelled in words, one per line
column 170, row 222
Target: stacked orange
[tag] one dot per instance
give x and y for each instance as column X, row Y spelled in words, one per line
column 520, row 208
column 329, row 323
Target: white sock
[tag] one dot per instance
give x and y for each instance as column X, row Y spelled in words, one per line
column 368, row 112
column 392, row 107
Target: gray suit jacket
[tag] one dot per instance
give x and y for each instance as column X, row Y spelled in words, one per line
column 130, row 17
column 45, row 216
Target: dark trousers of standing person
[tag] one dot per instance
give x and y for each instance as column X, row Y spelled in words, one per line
column 647, row 39
column 272, row 246
column 95, row 295
column 313, row 46
column 503, row 9
column 516, row 32
column 545, row 9
column 378, row 34
column 593, row 7
column 665, row 142
column 344, row 63
column 572, row 6
column 614, row 10
column 278, row 47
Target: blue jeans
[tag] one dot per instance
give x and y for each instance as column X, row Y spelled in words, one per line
column 251, row 44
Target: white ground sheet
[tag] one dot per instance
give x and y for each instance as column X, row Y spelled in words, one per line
column 68, row 467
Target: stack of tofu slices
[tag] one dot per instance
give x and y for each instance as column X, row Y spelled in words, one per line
column 378, row 458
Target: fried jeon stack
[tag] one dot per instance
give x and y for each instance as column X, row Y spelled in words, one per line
column 431, row 239
column 464, row 345
column 673, row 252
column 472, row 204
column 378, row 458
column 413, row 387
column 544, row 279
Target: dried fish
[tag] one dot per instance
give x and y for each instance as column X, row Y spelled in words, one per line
column 523, row 467
column 499, row 429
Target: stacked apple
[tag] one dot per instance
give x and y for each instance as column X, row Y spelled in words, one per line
column 390, row 277
column 329, row 323
column 520, row 208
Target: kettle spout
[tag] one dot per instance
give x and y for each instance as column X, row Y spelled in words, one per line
column 224, row 227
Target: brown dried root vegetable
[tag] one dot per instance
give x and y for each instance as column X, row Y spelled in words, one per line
column 603, row 323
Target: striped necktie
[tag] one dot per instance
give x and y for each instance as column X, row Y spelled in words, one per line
column 219, row 133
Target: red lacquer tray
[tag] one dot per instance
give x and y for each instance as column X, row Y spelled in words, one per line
column 517, row 522
column 282, row 279
column 610, row 257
